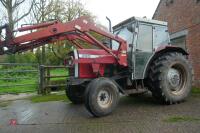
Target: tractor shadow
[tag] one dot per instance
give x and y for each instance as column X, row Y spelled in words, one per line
column 145, row 99
column 126, row 103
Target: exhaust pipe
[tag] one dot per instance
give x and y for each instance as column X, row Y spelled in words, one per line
column 110, row 29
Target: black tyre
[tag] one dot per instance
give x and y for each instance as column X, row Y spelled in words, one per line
column 170, row 78
column 101, row 97
column 75, row 93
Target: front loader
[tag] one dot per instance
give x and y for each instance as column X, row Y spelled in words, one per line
column 138, row 57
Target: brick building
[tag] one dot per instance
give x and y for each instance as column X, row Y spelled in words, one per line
column 183, row 17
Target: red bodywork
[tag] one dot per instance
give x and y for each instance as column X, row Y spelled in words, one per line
column 78, row 29
column 96, row 64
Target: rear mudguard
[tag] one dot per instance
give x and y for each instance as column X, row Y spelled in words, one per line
column 159, row 51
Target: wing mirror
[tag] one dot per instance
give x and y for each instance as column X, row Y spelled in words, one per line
column 131, row 28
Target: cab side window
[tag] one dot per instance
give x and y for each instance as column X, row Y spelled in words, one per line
column 161, row 36
column 145, row 38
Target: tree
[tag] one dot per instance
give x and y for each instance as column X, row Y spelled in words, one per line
column 67, row 10
column 62, row 10
column 43, row 11
column 2, row 16
column 13, row 12
column 74, row 9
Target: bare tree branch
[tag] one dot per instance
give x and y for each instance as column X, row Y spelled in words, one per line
column 26, row 13
column 17, row 3
column 3, row 3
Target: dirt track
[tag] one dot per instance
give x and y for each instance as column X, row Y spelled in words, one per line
column 140, row 115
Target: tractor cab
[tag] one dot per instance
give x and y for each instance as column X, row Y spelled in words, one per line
column 143, row 38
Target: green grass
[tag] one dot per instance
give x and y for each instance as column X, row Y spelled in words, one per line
column 47, row 98
column 4, row 104
column 195, row 90
column 175, row 119
column 59, row 72
column 32, row 88
column 19, row 89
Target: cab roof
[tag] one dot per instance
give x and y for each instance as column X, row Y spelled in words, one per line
column 144, row 20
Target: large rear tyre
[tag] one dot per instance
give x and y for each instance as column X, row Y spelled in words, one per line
column 101, row 97
column 75, row 93
column 170, row 78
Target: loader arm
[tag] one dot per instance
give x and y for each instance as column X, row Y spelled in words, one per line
column 45, row 33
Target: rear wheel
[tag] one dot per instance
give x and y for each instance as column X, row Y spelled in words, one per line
column 170, row 78
column 101, row 97
column 75, row 93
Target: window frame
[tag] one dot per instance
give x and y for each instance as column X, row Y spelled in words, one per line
column 146, row 24
column 155, row 45
column 177, row 39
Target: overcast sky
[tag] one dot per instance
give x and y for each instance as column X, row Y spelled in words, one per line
column 119, row 10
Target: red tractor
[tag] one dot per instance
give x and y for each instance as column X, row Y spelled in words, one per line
column 137, row 57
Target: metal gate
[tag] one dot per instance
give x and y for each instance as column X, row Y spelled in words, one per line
column 18, row 77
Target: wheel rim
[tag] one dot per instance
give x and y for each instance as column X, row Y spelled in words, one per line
column 173, row 77
column 177, row 78
column 104, row 98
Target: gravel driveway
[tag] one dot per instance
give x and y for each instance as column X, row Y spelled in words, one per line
column 133, row 115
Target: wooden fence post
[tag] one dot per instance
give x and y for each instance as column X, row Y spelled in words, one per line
column 42, row 80
column 45, row 78
column 48, row 90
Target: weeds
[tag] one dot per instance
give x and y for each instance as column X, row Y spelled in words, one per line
column 174, row 119
column 47, row 98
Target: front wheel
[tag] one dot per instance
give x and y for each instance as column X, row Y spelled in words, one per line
column 101, row 97
column 170, row 78
column 75, row 93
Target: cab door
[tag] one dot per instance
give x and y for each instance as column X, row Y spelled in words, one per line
column 143, row 49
